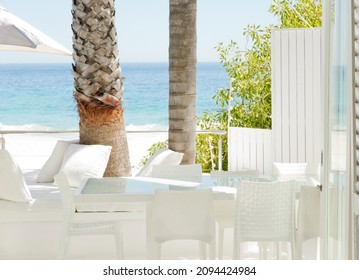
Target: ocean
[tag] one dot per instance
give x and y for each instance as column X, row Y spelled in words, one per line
column 39, row 96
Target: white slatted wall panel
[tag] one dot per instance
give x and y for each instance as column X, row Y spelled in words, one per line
column 356, row 53
column 250, row 149
column 296, row 82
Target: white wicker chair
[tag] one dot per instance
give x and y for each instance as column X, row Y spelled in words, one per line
column 308, row 204
column 265, row 212
column 225, row 210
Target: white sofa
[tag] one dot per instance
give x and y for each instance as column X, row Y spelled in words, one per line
column 31, row 230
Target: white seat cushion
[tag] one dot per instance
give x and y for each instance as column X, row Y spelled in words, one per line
column 12, row 183
column 84, row 161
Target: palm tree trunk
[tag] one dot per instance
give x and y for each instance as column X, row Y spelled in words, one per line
column 182, row 73
column 98, row 82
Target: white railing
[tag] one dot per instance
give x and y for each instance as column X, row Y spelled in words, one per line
column 220, row 133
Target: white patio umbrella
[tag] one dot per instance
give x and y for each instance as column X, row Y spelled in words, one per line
column 18, row 35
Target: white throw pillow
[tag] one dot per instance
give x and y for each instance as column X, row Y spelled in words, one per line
column 84, row 161
column 12, row 183
column 53, row 164
column 162, row 156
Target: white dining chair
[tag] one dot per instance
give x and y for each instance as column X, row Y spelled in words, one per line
column 265, row 213
column 225, row 209
column 176, row 171
column 308, row 217
column 308, row 203
column 76, row 227
column 181, row 215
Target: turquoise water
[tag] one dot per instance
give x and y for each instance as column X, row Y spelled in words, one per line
column 39, row 96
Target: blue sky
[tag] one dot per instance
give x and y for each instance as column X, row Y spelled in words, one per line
column 142, row 26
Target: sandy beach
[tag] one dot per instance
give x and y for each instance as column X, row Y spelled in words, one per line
column 32, row 150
